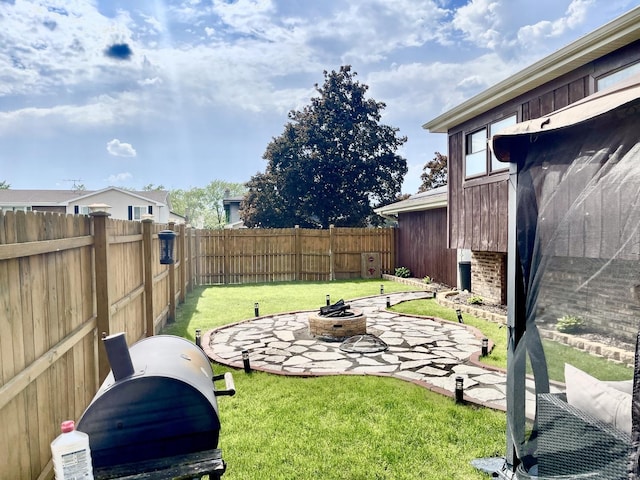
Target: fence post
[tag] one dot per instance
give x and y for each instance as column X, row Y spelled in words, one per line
column 183, row 262
column 332, row 273
column 172, row 286
column 198, row 260
column 394, row 251
column 103, row 303
column 226, row 252
column 297, row 254
column 147, row 259
column 189, row 233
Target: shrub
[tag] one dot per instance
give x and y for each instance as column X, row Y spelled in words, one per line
column 475, row 300
column 403, row 272
column 427, row 279
column 570, row 324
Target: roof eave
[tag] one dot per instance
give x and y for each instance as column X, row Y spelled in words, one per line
column 411, row 208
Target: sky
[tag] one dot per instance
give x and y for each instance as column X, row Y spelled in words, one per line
column 180, row 93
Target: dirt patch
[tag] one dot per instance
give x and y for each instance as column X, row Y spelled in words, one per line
column 462, row 298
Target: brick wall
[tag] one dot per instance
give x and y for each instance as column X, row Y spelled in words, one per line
column 604, row 293
column 489, row 276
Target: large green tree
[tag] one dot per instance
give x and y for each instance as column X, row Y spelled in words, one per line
column 203, row 205
column 434, row 173
column 333, row 163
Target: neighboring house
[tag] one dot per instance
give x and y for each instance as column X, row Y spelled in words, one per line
column 124, row 204
column 231, row 207
column 478, row 198
column 422, row 236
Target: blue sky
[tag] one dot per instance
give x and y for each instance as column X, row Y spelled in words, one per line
column 180, row 93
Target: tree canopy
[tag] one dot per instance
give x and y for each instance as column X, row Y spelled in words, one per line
column 434, row 173
column 333, row 163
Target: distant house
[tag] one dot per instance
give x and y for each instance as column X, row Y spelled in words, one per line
column 124, row 204
column 422, row 236
column 478, row 198
column 231, row 207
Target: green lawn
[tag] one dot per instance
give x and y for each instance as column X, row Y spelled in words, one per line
column 340, row 427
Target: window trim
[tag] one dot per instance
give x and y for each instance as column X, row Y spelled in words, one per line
column 626, row 71
column 488, row 170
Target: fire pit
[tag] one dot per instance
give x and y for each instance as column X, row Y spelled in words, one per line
column 337, row 322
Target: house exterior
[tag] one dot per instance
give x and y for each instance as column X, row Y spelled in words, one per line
column 478, row 194
column 421, row 242
column 123, row 204
column 231, row 207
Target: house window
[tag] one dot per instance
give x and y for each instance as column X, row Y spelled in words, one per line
column 476, row 153
column 612, row 78
column 136, row 212
column 16, row 209
column 478, row 159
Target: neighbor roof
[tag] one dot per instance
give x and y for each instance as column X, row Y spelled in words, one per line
column 63, row 197
column 606, row 39
column 435, row 198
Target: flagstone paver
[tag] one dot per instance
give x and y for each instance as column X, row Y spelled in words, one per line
column 421, row 350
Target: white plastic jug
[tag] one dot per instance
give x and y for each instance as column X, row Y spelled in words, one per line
column 71, row 454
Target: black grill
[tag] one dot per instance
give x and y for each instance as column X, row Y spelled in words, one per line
column 156, row 407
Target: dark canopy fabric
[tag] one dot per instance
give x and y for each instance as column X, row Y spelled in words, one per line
column 575, row 179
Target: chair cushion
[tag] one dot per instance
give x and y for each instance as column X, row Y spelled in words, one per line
column 597, row 398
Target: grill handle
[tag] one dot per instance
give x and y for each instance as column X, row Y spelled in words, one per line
column 230, row 387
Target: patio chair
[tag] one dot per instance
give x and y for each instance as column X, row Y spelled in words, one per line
column 574, row 444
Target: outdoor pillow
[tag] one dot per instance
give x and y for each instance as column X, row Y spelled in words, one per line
column 625, row 386
column 598, row 399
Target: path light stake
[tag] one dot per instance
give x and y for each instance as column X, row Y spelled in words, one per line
column 245, row 361
column 256, row 309
column 381, row 289
column 328, row 299
column 459, row 314
column 485, row 347
column 388, row 301
column 199, row 337
column 459, row 390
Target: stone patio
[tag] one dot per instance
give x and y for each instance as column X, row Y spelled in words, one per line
column 426, row 351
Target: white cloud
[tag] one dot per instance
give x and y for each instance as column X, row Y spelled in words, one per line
column 480, row 22
column 119, row 178
column 119, row 149
column 574, row 16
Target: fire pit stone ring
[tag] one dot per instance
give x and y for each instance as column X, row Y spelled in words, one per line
column 337, row 328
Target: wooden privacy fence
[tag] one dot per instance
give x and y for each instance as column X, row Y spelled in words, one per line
column 64, row 280
column 270, row 255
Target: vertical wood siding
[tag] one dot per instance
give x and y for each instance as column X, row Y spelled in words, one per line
column 478, row 210
column 422, row 246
